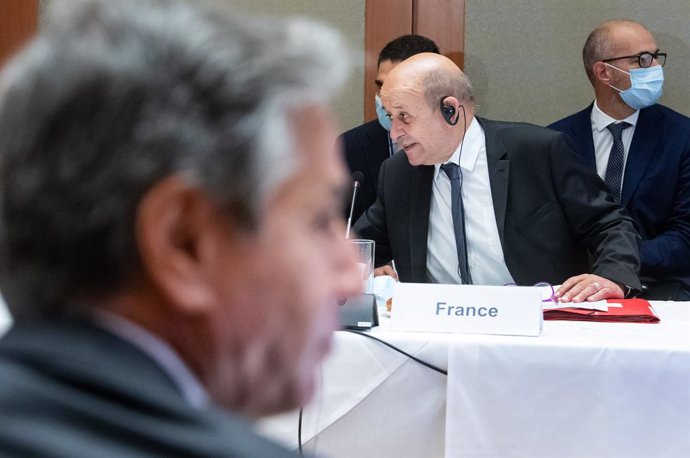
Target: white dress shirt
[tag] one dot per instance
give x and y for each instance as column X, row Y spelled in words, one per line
column 160, row 352
column 484, row 251
column 603, row 140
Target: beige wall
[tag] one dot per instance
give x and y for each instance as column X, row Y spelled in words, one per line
column 524, row 57
column 348, row 17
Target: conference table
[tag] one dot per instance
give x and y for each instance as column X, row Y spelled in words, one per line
column 580, row 389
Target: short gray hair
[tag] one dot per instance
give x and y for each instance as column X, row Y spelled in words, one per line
column 112, row 97
column 440, row 83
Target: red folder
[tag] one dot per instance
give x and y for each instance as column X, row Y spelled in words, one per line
column 620, row 311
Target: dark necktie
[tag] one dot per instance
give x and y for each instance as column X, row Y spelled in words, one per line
column 614, row 168
column 455, row 175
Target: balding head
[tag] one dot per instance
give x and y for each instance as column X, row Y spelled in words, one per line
column 613, row 38
column 433, row 75
column 413, row 94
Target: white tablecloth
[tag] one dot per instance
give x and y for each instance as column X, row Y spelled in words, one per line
column 579, row 390
column 599, row 379
column 621, row 389
column 369, row 395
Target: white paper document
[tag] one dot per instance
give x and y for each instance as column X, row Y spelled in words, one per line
column 601, row 306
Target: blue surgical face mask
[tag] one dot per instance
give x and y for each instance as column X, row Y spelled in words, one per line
column 384, row 120
column 646, row 86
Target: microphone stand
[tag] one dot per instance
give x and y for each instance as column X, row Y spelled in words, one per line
column 355, row 187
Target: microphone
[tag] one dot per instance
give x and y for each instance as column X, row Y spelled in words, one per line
column 358, row 312
column 357, row 180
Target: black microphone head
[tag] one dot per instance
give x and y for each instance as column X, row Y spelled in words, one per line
column 357, row 177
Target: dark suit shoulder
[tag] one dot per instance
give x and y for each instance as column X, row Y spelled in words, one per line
column 517, row 131
column 507, row 126
column 657, row 110
column 75, row 390
column 365, row 147
column 670, row 116
column 568, row 122
column 371, row 128
column 399, row 161
column 671, row 127
column 365, row 141
column 398, row 170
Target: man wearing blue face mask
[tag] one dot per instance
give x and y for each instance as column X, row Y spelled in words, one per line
column 368, row 145
column 639, row 148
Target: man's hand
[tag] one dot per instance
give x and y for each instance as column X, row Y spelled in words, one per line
column 588, row 287
column 386, row 270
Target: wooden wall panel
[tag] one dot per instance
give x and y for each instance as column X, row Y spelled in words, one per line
column 384, row 21
column 444, row 22
column 18, row 23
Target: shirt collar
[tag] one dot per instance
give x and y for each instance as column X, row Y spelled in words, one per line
column 470, row 146
column 601, row 120
column 157, row 349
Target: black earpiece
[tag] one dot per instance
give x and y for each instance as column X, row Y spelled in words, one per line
column 448, row 112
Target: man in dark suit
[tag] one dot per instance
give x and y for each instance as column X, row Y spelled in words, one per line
column 168, row 282
column 478, row 201
column 652, row 177
column 368, row 145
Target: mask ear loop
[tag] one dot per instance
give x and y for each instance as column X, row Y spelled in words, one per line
column 620, row 70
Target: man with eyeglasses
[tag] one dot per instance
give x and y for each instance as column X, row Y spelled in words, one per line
column 639, row 148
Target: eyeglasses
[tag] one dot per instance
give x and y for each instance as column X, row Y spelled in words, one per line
column 644, row 59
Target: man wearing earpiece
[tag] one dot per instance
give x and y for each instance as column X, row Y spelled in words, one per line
column 641, row 149
column 368, row 145
column 491, row 203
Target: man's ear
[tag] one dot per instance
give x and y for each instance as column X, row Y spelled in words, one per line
column 602, row 72
column 176, row 234
column 450, row 109
column 452, row 101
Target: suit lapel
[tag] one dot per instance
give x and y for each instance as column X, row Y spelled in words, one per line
column 642, row 148
column 420, row 204
column 499, row 167
column 581, row 133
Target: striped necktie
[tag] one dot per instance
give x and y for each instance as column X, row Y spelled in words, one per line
column 614, row 168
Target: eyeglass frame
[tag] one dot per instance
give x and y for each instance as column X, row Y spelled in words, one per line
column 654, row 55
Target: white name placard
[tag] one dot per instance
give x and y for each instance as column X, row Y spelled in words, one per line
column 505, row 310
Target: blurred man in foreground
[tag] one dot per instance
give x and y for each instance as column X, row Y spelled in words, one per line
column 482, row 202
column 368, row 145
column 172, row 243
column 640, row 148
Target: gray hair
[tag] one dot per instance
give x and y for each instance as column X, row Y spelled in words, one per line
column 105, row 102
column 440, row 83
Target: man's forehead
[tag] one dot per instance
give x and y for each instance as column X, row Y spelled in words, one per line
column 401, row 97
column 633, row 38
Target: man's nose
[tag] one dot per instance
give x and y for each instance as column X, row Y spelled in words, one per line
column 396, row 130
